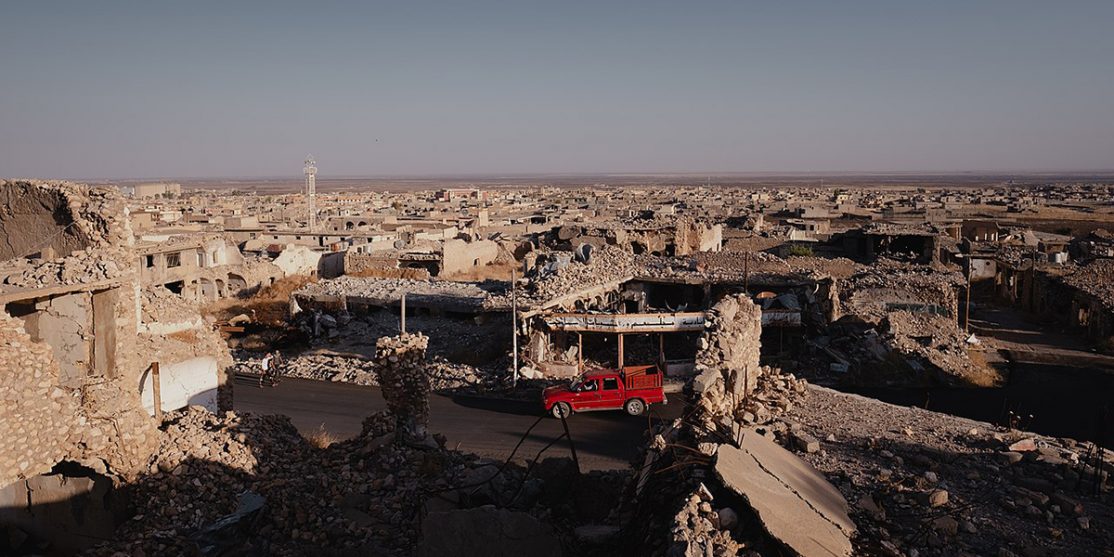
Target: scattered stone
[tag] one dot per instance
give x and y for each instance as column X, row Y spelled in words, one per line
column 935, row 498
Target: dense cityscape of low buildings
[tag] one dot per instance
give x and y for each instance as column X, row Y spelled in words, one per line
column 124, row 303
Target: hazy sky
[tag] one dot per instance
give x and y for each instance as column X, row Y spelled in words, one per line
column 197, row 89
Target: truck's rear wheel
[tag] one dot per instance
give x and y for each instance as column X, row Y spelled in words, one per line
column 561, row 410
column 635, row 407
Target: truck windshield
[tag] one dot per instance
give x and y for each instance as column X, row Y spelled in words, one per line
column 579, row 385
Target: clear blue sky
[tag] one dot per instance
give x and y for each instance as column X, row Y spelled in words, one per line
column 96, row 89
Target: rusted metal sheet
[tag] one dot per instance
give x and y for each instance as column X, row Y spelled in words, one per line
column 626, row 322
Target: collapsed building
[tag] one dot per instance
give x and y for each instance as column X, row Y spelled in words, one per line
column 603, row 305
column 201, row 267
column 83, row 342
column 451, row 257
column 657, row 235
column 715, row 483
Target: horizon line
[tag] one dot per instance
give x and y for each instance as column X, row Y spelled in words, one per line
column 616, row 174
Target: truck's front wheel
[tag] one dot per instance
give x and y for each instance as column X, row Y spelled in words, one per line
column 635, row 407
column 561, row 410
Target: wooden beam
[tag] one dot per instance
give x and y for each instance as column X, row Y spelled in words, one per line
column 620, row 350
column 580, row 352
column 156, row 391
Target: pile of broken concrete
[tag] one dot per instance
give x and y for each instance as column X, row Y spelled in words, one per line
column 245, row 484
column 925, row 483
column 735, row 490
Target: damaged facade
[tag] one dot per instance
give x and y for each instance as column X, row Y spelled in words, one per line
column 80, row 341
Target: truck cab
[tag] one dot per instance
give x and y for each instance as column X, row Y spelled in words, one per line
column 631, row 388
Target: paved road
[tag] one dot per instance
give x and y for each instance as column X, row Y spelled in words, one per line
column 1031, row 341
column 489, row 428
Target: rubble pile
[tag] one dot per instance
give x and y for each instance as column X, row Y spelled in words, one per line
column 605, row 265
column 723, row 266
column 870, row 293
column 1095, row 278
column 83, row 266
column 365, row 496
column 700, row 525
column 470, row 341
column 484, row 296
column 839, row 267
column 443, row 375
column 163, row 306
column 400, row 367
column 90, row 246
column 361, row 496
column 775, row 395
column 938, row 341
column 925, row 483
column 323, row 367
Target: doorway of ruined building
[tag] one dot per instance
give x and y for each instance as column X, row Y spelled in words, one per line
column 208, row 289
column 236, row 283
column 62, row 512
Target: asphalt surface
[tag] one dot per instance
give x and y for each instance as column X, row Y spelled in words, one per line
column 486, row 427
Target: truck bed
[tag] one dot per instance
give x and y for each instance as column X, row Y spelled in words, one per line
column 642, row 377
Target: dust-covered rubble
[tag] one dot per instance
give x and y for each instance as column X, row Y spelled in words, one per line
column 366, row 496
column 487, row 296
column 925, row 483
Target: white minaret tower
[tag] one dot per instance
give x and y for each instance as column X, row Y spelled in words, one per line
column 310, row 170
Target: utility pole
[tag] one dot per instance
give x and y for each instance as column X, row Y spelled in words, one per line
column 514, row 329
column 746, row 272
column 1033, row 282
column 967, row 314
column 156, row 391
column 402, row 314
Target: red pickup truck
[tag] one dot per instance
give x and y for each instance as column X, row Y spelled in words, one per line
column 632, row 388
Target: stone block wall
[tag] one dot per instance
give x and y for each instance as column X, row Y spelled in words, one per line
column 727, row 362
column 404, row 379
column 35, row 412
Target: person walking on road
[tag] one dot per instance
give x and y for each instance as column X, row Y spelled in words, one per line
column 278, row 365
column 266, row 366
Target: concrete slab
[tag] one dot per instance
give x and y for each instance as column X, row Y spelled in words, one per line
column 796, row 505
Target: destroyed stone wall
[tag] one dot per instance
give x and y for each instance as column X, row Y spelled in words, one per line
column 195, row 340
column 80, row 350
column 55, row 218
column 459, row 256
column 727, row 361
column 43, row 422
column 32, row 405
column 714, row 482
column 76, row 234
column 694, row 237
column 361, row 265
column 400, row 365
